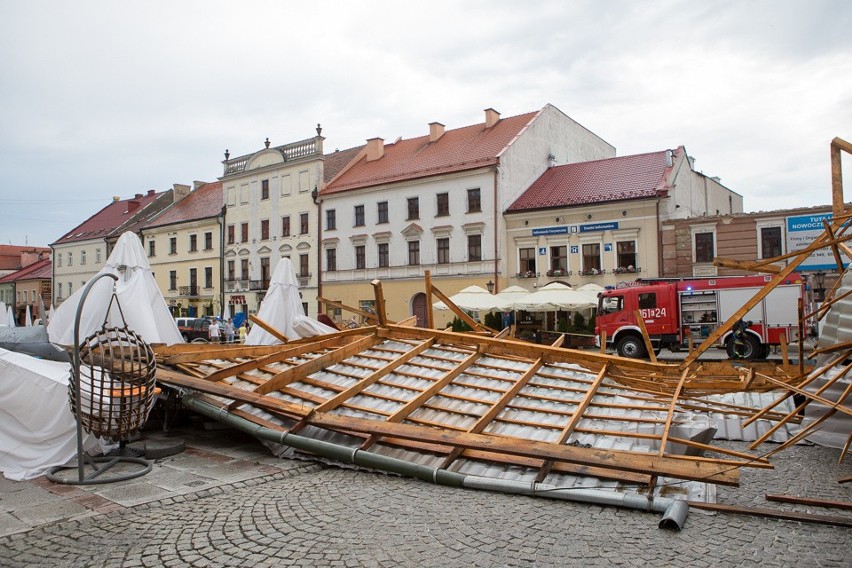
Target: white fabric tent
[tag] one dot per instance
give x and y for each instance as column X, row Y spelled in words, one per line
column 10, row 317
column 3, row 319
column 476, row 299
column 282, row 309
column 554, row 297
column 37, row 427
column 143, row 305
column 512, row 293
column 28, row 318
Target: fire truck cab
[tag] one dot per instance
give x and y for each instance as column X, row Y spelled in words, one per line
column 674, row 311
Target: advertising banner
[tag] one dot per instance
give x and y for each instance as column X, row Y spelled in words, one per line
column 801, row 232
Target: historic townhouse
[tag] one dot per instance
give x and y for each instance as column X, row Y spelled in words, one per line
column 81, row 252
column 435, row 203
column 271, row 213
column 600, row 221
column 14, row 258
column 30, row 288
column 184, row 244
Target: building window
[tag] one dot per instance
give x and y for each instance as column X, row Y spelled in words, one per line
column 97, row 256
column 285, row 226
column 59, row 290
column 526, row 257
column 591, row 258
column 413, row 253
column 559, row 258
column 244, row 269
column 232, row 196
column 704, row 247
column 330, row 220
column 231, row 270
column 208, row 241
column 443, row 250
column 244, row 232
column 82, row 258
column 70, row 259
column 413, row 208
column 264, row 229
column 383, row 211
column 359, row 215
column 360, row 257
column 264, row 189
column 244, row 194
column 770, row 242
column 193, row 281
column 443, row 204
column 474, row 204
column 172, row 280
column 303, row 223
column 264, row 272
column 70, row 288
column 383, row 255
column 625, row 260
column 230, row 234
column 208, row 276
column 173, row 245
column 304, row 271
column 474, row 247
column 331, row 259
column 58, row 261
column 193, row 243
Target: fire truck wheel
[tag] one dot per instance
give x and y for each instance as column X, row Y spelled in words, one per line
column 749, row 350
column 630, row 346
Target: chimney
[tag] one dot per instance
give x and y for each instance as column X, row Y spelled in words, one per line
column 138, row 196
column 180, row 191
column 196, row 184
column 492, row 117
column 133, row 204
column 375, row 149
column 436, row 130
column 151, row 192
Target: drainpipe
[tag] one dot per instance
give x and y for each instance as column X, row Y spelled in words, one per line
column 220, row 219
column 659, row 244
column 496, row 261
column 674, row 510
column 318, row 203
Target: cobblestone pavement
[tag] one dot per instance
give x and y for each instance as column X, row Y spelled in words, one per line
column 306, row 514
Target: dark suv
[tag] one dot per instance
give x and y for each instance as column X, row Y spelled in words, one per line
column 197, row 329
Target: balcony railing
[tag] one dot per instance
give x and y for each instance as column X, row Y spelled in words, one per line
column 290, row 152
column 592, row 272
column 528, row 274
column 626, row 270
column 557, row 272
column 188, row 291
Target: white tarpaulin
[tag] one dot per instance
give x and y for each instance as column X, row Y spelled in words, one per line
column 142, row 303
column 282, row 309
column 37, row 428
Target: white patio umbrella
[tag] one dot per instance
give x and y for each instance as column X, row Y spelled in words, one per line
column 28, row 319
column 476, row 299
column 554, row 297
column 512, row 293
column 10, row 316
column 226, row 313
column 3, row 322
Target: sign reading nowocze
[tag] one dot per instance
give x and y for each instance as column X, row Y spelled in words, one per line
column 801, row 232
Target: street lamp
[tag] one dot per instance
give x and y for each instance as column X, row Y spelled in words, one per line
column 819, row 290
column 490, row 287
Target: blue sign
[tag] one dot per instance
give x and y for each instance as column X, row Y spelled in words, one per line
column 575, row 249
column 801, row 232
column 550, row 231
column 595, row 227
column 542, row 251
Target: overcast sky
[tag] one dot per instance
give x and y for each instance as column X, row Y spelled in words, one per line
column 115, row 98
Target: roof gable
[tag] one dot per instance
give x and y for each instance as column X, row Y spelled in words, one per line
column 455, row 150
column 202, row 203
column 104, row 222
column 40, row 269
column 613, row 179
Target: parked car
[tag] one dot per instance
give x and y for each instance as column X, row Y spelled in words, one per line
column 197, row 329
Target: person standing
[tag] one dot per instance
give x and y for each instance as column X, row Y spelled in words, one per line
column 229, row 331
column 243, row 333
column 213, row 331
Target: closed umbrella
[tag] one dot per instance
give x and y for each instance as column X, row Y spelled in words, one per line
column 3, row 322
column 476, row 299
column 28, row 319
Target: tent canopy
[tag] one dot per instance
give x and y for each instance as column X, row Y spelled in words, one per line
column 476, row 299
column 554, row 297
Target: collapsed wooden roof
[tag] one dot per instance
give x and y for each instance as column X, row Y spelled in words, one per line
column 455, row 398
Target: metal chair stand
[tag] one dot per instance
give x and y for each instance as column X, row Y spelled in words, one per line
column 111, row 393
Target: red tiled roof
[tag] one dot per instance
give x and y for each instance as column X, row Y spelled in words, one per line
column 460, row 149
column 40, row 269
column 203, row 203
column 333, row 163
column 612, row 179
column 108, row 219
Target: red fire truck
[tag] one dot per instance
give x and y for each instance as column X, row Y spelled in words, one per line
column 674, row 310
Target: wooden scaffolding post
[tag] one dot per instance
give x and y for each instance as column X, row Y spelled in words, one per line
column 380, row 303
column 837, row 145
column 430, row 317
column 640, row 321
